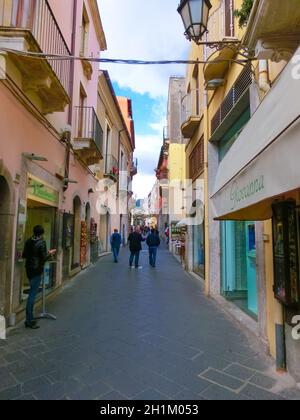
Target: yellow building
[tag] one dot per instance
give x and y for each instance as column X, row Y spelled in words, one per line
column 241, row 114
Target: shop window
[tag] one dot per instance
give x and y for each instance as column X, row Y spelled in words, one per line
column 239, row 281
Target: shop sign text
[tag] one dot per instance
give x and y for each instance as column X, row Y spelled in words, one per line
column 240, row 194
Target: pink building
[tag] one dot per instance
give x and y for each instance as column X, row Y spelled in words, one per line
column 49, row 139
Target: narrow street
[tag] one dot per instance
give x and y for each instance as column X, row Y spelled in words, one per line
column 137, row 334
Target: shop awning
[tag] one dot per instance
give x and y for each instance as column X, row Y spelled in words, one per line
column 264, row 162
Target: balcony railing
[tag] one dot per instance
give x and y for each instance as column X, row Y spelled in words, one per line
column 111, row 168
column 134, row 167
column 87, row 126
column 37, row 17
column 191, row 112
column 216, row 30
column 233, row 97
column 191, row 105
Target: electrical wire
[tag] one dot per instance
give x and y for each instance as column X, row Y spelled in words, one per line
column 57, row 57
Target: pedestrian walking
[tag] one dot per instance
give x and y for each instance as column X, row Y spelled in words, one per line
column 153, row 242
column 135, row 240
column 167, row 233
column 36, row 255
column 116, row 241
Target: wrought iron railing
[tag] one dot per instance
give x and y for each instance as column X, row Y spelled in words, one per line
column 87, row 126
column 37, row 17
column 234, row 95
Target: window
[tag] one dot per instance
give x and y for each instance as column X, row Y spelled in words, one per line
column 84, row 32
column 197, row 160
column 229, row 17
column 82, row 116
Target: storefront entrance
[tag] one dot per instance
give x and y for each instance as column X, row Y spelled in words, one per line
column 77, row 232
column 6, row 224
column 239, row 283
column 38, row 214
column 198, row 250
column 42, row 204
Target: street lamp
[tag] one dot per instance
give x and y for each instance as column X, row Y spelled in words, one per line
column 194, row 14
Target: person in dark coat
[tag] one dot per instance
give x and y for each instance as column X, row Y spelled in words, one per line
column 135, row 240
column 116, row 241
column 153, row 243
column 36, row 255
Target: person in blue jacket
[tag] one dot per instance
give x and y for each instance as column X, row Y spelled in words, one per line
column 153, row 243
column 116, row 241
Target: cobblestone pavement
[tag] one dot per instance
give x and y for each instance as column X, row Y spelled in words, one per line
column 147, row 334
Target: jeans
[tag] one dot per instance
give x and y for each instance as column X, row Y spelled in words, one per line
column 34, row 289
column 135, row 255
column 116, row 252
column 152, row 255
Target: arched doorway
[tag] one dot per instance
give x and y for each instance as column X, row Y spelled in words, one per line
column 88, row 224
column 6, row 226
column 77, row 232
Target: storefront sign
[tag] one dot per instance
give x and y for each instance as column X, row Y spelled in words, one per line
column 38, row 191
column 263, row 163
column 240, row 194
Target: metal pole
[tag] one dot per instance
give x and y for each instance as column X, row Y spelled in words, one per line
column 45, row 314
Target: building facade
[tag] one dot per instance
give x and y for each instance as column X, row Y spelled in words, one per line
column 118, row 166
column 241, row 140
column 53, row 142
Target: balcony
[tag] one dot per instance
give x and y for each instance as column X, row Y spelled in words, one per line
column 111, row 168
column 218, row 64
column 191, row 113
column 134, row 167
column 30, row 26
column 88, row 139
column 236, row 102
column 273, row 31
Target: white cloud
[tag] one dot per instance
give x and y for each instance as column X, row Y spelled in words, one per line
column 147, row 152
column 142, row 185
column 149, row 30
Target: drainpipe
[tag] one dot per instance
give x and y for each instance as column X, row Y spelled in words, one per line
column 72, row 72
column 206, row 192
column 264, row 83
column 68, row 136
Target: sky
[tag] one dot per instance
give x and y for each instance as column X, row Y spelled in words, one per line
column 144, row 30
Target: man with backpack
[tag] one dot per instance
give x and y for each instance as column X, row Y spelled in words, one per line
column 36, row 255
column 153, row 243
